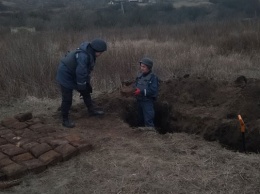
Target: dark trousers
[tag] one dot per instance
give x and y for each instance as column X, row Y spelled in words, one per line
column 66, row 102
column 146, row 113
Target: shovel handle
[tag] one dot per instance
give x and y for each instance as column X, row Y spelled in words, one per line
column 242, row 124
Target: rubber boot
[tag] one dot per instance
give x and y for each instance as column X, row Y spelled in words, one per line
column 147, row 129
column 67, row 123
column 95, row 112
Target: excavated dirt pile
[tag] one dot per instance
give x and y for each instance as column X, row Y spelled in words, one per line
column 201, row 106
column 195, row 105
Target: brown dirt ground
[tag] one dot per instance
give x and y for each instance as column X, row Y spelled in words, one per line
column 127, row 160
column 206, row 107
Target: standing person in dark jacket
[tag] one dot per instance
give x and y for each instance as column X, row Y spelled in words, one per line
column 74, row 74
column 146, row 92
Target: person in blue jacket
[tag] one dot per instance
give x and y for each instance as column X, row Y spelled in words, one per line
column 74, row 74
column 146, row 91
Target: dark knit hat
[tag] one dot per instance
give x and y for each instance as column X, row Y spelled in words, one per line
column 147, row 61
column 98, row 45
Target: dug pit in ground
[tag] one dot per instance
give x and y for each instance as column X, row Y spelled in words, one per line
column 195, row 105
column 202, row 106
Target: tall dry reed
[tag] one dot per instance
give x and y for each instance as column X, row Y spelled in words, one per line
column 220, row 50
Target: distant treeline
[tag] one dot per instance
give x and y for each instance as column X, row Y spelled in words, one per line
column 64, row 15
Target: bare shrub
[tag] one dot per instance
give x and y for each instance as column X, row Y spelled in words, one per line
column 246, row 41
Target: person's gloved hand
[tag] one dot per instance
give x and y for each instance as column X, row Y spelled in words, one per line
column 81, row 87
column 137, row 92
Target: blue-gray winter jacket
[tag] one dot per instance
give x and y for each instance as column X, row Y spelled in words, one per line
column 75, row 68
column 148, row 84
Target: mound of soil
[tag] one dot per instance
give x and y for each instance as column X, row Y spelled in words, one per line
column 124, row 159
column 201, row 106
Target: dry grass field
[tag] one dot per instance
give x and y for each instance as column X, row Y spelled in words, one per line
column 125, row 159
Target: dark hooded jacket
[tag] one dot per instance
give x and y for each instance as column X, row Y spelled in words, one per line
column 149, row 86
column 75, row 68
